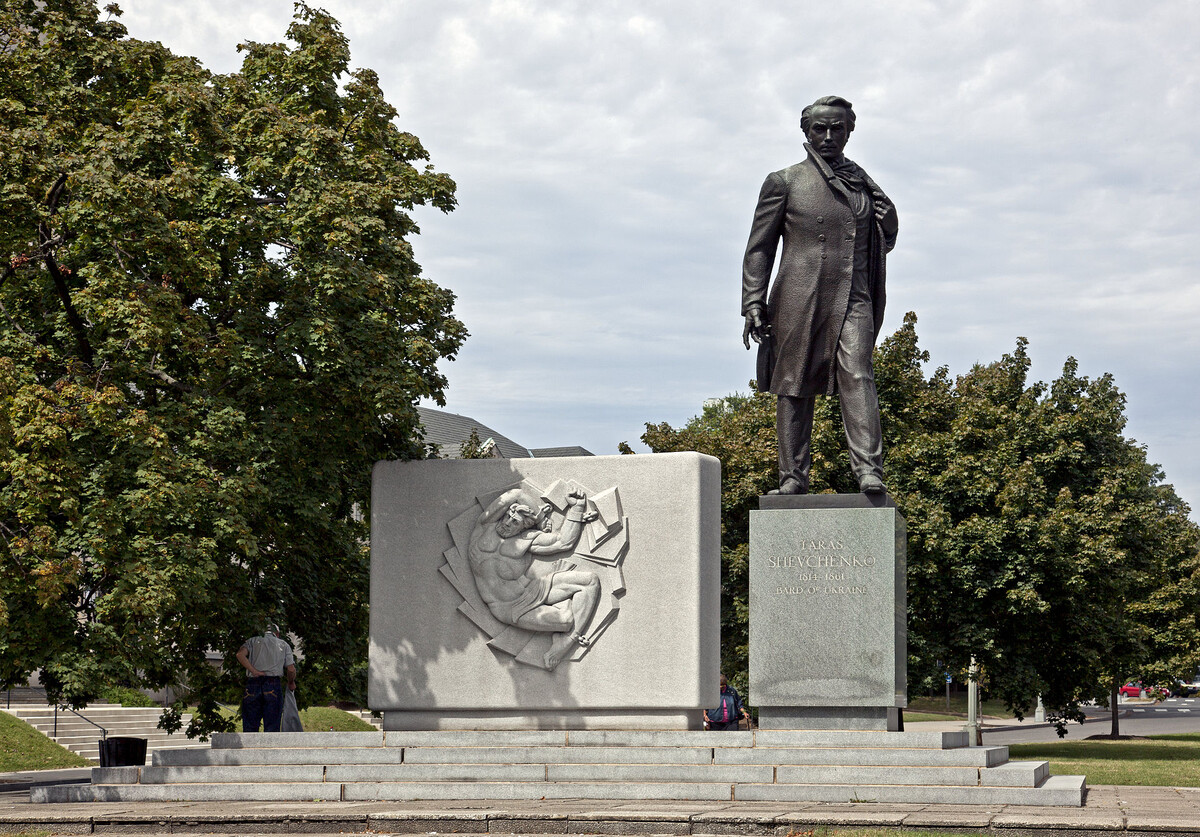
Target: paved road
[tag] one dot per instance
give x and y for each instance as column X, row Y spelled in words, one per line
column 1173, row 715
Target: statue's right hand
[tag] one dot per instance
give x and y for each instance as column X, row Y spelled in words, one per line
column 755, row 328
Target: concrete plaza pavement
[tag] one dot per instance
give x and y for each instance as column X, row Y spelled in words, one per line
column 1107, row 809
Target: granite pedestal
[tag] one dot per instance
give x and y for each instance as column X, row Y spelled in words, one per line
column 455, row 595
column 828, row 612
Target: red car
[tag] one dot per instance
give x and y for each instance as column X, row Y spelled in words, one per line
column 1131, row 690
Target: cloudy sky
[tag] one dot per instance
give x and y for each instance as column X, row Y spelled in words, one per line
column 1044, row 156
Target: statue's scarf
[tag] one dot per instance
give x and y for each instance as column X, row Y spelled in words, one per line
column 848, row 178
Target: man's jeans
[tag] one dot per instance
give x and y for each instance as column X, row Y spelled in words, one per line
column 263, row 702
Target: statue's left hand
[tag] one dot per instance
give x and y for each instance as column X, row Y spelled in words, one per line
column 755, row 328
column 882, row 205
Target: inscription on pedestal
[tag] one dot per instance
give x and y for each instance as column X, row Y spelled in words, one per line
column 822, row 568
column 827, row 616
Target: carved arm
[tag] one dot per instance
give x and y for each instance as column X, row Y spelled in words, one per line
column 567, row 535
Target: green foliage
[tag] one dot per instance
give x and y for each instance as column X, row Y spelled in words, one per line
column 1040, row 541
column 211, row 326
column 24, row 748
column 473, row 448
column 126, row 696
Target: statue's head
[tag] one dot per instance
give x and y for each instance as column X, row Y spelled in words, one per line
column 827, row 124
column 517, row 519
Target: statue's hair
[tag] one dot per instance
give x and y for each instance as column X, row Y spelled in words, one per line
column 830, row 102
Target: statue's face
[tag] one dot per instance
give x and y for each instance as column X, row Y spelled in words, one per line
column 517, row 519
column 828, row 131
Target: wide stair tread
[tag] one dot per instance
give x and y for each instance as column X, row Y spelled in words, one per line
column 489, row 766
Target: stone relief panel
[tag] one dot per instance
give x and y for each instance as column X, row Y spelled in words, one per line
column 539, row 570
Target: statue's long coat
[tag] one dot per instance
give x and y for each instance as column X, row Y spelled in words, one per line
column 808, row 299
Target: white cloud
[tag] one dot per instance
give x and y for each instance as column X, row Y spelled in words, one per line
column 1042, row 155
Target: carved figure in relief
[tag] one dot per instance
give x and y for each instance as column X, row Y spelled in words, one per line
column 509, row 556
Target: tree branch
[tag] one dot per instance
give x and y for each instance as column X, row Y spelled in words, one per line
column 64, row 294
column 350, row 124
column 17, row 325
column 121, row 261
column 169, row 381
column 48, row 244
column 55, row 192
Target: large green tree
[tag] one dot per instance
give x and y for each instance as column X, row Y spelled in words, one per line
column 1041, row 542
column 211, row 326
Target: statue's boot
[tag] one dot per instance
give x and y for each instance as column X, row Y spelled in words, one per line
column 871, row 484
column 790, row 485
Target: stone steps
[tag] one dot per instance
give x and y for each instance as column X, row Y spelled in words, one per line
column 34, row 695
column 365, row 714
column 1016, row 774
column 770, row 765
column 82, row 738
column 972, row 757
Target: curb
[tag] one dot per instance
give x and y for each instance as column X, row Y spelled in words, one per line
column 634, row 824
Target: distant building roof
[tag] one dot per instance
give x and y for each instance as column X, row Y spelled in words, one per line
column 568, row 450
column 449, row 430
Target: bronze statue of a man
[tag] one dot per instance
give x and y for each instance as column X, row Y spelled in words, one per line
column 817, row 326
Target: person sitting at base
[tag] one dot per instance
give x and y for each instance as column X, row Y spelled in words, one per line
column 266, row 659
column 729, row 712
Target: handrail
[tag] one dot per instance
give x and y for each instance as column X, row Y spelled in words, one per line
column 103, row 731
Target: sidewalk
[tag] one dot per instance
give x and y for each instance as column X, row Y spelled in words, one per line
column 1130, row 810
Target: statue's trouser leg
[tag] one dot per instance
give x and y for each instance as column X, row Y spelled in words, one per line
column 793, row 423
column 856, row 387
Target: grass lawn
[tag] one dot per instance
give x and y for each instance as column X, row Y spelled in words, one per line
column 1159, row 760
column 910, row 716
column 314, row 719
column 24, row 748
column 859, row 831
column 958, row 707
column 326, row 718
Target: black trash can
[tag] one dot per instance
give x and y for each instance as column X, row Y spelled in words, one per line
column 120, row 751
